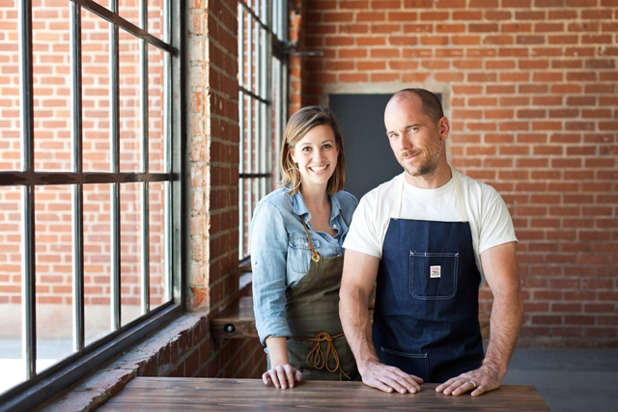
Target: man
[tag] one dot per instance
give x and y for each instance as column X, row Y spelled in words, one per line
column 426, row 239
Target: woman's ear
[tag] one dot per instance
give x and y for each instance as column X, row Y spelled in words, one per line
column 293, row 156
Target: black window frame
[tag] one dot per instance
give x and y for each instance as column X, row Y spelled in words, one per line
column 39, row 387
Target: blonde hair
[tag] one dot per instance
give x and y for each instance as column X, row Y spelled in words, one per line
column 299, row 124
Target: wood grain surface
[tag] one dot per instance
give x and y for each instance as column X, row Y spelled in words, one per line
column 217, row 394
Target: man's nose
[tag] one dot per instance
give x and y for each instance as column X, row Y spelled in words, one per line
column 404, row 143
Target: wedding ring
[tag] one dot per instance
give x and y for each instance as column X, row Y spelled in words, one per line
column 473, row 384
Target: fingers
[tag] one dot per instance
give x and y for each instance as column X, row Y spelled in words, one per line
column 389, row 379
column 465, row 384
column 282, row 376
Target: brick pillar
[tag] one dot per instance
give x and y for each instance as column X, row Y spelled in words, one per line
column 213, row 167
column 213, row 172
column 296, row 73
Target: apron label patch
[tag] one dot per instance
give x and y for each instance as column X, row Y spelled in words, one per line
column 435, row 271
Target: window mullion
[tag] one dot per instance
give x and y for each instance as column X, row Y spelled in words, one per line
column 28, row 235
column 167, row 155
column 115, row 166
column 241, row 117
column 145, row 245
column 78, row 189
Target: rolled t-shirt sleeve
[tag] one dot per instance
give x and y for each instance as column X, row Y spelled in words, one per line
column 497, row 225
column 364, row 235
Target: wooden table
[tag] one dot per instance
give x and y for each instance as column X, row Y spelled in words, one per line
column 212, row 394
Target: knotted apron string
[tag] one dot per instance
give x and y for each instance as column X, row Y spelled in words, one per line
column 316, row 358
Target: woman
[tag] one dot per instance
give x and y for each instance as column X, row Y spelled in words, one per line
column 296, row 255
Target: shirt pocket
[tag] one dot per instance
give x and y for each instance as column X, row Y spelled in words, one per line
column 299, row 254
column 433, row 276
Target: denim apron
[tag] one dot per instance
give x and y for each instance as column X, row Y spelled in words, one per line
column 318, row 348
column 426, row 311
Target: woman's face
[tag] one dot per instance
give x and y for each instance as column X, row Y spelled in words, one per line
column 316, row 154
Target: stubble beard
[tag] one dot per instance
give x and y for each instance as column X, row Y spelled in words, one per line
column 427, row 167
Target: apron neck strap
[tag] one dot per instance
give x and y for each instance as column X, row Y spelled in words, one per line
column 314, row 254
column 460, row 203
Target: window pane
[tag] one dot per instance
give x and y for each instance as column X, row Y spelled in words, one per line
column 95, row 93
column 156, row 107
column 97, row 261
column 130, row 251
column 10, row 142
column 155, row 18
column 53, row 255
column 129, row 10
column 130, row 104
column 158, row 267
column 52, row 86
column 12, row 367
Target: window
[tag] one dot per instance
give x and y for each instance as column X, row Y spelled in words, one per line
column 262, row 41
column 89, row 186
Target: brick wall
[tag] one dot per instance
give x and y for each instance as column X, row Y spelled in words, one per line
column 531, row 89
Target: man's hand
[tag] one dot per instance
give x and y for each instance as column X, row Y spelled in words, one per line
column 282, row 376
column 388, row 378
column 502, row 275
column 477, row 381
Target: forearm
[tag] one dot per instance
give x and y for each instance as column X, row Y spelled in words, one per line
column 277, row 350
column 354, row 314
column 505, row 323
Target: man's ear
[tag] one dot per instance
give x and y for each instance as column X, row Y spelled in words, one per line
column 444, row 127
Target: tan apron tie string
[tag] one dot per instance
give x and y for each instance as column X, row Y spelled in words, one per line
column 316, row 358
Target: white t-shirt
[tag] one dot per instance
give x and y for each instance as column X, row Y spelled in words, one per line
column 490, row 221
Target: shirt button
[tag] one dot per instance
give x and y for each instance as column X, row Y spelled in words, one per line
column 335, row 226
column 306, row 243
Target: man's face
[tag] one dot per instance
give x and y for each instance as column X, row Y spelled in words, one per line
column 415, row 139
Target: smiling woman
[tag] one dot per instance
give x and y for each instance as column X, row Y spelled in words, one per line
column 316, row 156
column 296, row 255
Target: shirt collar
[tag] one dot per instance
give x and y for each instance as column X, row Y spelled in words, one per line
column 301, row 209
column 299, row 204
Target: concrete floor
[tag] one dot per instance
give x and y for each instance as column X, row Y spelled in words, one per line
column 569, row 379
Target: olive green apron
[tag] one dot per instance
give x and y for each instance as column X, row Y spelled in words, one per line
column 318, row 348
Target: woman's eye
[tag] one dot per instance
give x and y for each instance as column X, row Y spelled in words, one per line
column 306, row 149
column 327, row 146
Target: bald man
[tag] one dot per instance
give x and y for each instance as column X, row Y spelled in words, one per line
column 427, row 240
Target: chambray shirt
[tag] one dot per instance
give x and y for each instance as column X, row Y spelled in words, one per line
column 281, row 255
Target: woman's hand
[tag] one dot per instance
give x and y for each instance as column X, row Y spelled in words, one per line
column 282, row 376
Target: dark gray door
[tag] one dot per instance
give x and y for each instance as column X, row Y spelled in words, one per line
column 368, row 154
